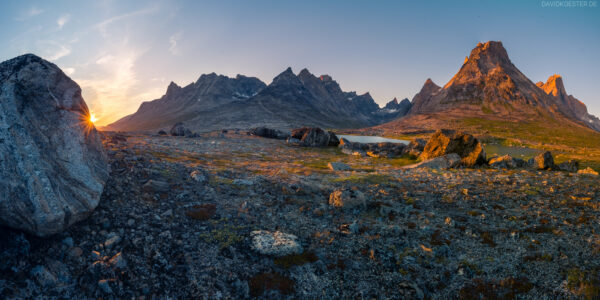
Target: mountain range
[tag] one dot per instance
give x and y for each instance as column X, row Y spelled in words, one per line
column 488, row 86
column 219, row 102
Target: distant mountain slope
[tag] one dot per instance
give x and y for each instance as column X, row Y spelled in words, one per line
column 489, row 87
column 218, row 102
column 181, row 104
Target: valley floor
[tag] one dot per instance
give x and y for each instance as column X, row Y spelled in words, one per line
column 460, row 233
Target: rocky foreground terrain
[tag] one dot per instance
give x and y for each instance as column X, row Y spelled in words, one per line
column 195, row 217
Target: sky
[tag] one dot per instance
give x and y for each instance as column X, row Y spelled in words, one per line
column 122, row 53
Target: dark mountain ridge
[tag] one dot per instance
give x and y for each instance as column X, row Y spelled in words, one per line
column 218, row 102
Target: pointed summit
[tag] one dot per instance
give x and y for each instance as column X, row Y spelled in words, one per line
column 554, row 86
column 286, row 77
column 392, row 103
column 173, row 88
column 422, row 99
column 486, row 58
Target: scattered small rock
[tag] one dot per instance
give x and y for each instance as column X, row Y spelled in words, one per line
column 198, row 176
column 112, row 241
column 155, row 186
column 118, row 261
column 104, row 285
column 43, row 276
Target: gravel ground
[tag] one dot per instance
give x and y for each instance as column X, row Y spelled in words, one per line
column 176, row 218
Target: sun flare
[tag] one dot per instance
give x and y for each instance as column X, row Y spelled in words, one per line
column 93, row 118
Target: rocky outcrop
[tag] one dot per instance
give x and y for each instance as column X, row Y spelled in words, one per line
column 315, row 137
column 449, row 141
column 179, row 129
column 415, row 147
column 269, row 133
column 447, row 161
column 388, row 150
column 569, row 166
column 542, row 161
column 506, row 162
column 52, row 162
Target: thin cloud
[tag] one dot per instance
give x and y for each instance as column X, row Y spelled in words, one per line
column 62, row 51
column 31, row 12
column 63, row 20
column 173, row 43
column 102, row 26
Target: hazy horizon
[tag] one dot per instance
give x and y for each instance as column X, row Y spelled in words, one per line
column 122, row 54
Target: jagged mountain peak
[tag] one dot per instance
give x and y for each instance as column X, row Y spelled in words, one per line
column 173, row 88
column 554, row 86
column 429, row 86
column 286, row 77
column 488, row 58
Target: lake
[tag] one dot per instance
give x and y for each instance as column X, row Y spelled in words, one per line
column 369, row 139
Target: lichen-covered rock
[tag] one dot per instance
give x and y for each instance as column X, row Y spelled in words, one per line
column 347, row 198
column 465, row 145
column 588, row 171
column 275, row 243
column 447, row 161
column 52, row 162
column 542, row 161
column 506, row 162
column 315, row 137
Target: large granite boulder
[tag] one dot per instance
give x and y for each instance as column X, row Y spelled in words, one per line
column 315, row 137
column 53, row 166
column 445, row 142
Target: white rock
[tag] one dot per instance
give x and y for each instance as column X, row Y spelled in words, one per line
column 275, row 243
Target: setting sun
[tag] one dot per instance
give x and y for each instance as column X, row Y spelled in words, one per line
column 93, row 118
